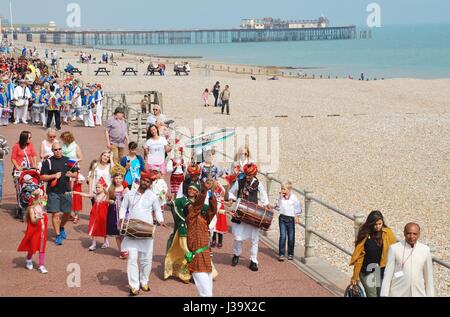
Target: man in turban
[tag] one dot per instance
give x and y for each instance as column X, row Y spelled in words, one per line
column 252, row 190
column 194, row 172
column 140, row 204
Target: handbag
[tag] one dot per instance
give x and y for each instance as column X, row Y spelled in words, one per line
column 354, row 291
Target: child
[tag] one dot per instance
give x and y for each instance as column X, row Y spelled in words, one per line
column 116, row 193
column 160, row 189
column 98, row 216
column 77, row 202
column 220, row 225
column 176, row 168
column 290, row 211
column 205, row 97
column 35, row 239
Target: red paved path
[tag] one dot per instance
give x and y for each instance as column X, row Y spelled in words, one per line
column 103, row 273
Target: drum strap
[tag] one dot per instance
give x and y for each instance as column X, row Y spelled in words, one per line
column 263, row 217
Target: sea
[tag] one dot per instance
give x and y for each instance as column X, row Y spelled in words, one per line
column 401, row 51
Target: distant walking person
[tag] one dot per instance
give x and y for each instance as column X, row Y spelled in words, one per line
column 216, row 93
column 225, row 97
column 409, row 270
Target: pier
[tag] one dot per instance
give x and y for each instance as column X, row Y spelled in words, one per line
column 94, row 38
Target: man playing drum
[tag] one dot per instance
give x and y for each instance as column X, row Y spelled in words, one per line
column 140, row 204
column 252, row 190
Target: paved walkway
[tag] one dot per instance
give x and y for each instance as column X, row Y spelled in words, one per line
column 104, row 274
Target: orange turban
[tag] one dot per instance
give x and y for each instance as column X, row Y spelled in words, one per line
column 251, row 169
column 194, row 169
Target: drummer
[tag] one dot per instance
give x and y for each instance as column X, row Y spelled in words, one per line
column 140, row 204
column 252, row 190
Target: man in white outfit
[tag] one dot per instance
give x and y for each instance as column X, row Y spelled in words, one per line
column 409, row 268
column 252, row 190
column 98, row 97
column 140, row 204
column 22, row 95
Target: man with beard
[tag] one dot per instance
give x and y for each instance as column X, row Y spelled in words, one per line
column 252, row 190
column 140, row 204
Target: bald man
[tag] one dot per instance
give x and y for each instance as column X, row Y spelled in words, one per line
column 409, row 269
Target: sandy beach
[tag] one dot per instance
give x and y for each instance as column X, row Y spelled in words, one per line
column 359, row 146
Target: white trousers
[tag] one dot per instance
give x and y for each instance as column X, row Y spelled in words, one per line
column 139, row 267
column 237, row 248
column 204, row 283
column 21, row 113
column 98, row 113
column 39, row 117
column 89, row 119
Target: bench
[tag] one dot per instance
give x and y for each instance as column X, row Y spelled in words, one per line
column 102, row 70
column 151, row 70
column 129, row 70
column 76, row 70
column 178, row 69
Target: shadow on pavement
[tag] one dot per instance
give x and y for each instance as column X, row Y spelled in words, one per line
column 114, row 277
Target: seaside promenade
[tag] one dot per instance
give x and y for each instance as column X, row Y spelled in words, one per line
column 104, row 274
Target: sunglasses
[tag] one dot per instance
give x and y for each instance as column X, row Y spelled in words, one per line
column 54, row 150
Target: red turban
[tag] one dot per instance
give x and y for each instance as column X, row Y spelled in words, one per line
column 251, row 169
column 194, row 169
column 151, row 175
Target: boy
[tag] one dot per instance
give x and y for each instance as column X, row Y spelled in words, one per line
column 290, row 211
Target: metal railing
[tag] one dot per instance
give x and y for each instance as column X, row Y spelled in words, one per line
column 358, row 219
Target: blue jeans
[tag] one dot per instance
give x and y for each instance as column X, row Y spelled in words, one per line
column 287, row 227
column 1, row 179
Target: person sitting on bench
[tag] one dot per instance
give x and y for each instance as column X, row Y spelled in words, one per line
column 69, row 68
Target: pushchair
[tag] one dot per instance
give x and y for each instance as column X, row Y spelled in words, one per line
column 26, row 182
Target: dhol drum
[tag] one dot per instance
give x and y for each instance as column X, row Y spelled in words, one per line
column 81, row 111
column 253, row 214
column 137, row 229
column 37, row 108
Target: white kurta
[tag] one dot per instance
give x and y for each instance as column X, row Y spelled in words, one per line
column 160, row 189
column 244, row 231
column 140, row 206
column 417, row 277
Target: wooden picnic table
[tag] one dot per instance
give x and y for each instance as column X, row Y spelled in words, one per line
column 76, row 70
column 102, row 70
column 129, row 70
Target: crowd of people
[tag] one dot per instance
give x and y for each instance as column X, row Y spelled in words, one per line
column 127, row 183
column 31, row 93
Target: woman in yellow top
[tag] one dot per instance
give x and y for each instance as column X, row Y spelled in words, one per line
column 371, row 252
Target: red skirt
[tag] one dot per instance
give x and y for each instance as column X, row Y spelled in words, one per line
column 98, row 219
column 35, row 239
column 77, row 200
column 175, row 182
column 221, row 224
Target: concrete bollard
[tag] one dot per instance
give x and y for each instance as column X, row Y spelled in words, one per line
column 309, row 224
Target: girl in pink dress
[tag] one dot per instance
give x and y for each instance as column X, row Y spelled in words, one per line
column 205, row 97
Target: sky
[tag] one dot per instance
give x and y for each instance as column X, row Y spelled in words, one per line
column 191, row 14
